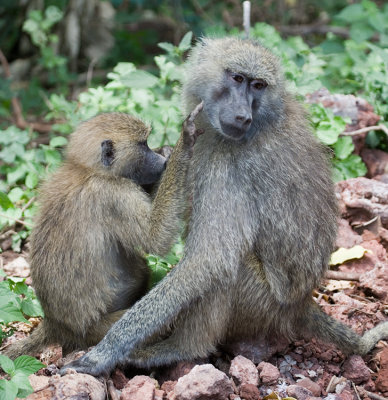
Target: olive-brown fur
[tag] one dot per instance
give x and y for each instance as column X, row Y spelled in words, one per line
column 262, row 227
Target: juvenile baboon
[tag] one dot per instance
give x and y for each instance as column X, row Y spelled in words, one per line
column 262, row 225
column 96, row 222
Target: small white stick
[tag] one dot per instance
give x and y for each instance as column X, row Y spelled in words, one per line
column 247, row 17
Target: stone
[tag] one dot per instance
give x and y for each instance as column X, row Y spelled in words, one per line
column 299, row 392
column 268, row 372
column 249, row 391
column 202, row 382
column 140, row 387
column 307, row 383
column 243, row 371
column 356, row 370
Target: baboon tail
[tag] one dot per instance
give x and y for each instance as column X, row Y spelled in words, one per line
column 31, row 345
column 323, row 326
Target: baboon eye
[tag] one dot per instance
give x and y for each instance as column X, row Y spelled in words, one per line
column 259, row 84
column 238, row 78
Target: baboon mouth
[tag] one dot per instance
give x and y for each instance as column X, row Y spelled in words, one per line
column 233, row 132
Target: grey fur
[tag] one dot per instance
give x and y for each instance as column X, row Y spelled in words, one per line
column 261, row 231
column 95, row 224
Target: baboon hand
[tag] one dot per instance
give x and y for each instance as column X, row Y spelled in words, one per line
column 86, row 365
column 189, row 131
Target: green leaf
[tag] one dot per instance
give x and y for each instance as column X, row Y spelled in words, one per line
column 15, row 194
column 58, row 141
column 52, row 156
column 140, row 80
column 28, row 365
column 10, row 313
column 185, row 43
column 7, row 365
column 8, row 390
column 24, row 387
column 361, row 31
column 5, row 202
column 344, row 147
column 32, row 308
column 352, row 13
column 32, row 180
column 168, row 47
column 326, row 133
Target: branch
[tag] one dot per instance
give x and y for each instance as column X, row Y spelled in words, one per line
column 17, row 220
column 379, row 127
column 340, row 275
column 19, row 120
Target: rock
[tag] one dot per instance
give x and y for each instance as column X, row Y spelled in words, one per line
column 168, row 386
column 140, row 387
column 299, row 392
column 38, row 382
column 356, row 370
column 119, row 379
column 376, row 281
column 177, row 371
column 76, row 386
column 346, row 236
column 363, row 198
column 376, row 161
column 249, row 391
column 307, row 383
column 243, row 371
column 159, row 394
column 382, row 377
column 268, row 373
column 203, row 382
column 18, row 267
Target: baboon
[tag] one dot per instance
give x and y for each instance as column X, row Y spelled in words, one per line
column 262, row 226
column 96, row 223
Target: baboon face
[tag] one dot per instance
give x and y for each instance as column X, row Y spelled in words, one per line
column 236, row 105
column 138, row 163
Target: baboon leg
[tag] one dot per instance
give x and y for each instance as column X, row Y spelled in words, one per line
column 195, row 334
column 99, row 329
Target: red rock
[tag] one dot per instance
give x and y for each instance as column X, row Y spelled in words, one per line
column 176, row 371
column 243, row 371
column 268, row 372
column 356, row 370
column 249, row 392
column 202, row 382
column 346, row 237
column 382, row 377
column 307, row 383
column 376, row 161
column 159, row 394
column 38, row 382
column 119, row 379
column 299, row 392
column 168, row 386
column 139, row 388
column 71, row 386
column 346, row 395
column 376, row 280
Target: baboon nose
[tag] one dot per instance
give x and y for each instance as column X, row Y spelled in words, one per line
column 244, row 118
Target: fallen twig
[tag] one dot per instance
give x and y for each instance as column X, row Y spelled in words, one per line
column 19, row 120
column 16, row 220
column 341, row 275
column 112, row 390
column 379, row 127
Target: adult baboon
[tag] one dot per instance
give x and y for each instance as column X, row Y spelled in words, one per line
column 96, row 222
column 262, row 226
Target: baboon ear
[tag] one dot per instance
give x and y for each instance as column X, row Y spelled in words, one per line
column 107, row 153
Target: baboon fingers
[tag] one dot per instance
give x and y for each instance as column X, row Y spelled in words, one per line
column 195, row 112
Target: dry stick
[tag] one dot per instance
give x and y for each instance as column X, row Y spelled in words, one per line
column 355, row 389
column 20, row 122
column 247, row 17
column 16, row 220
column 379, row 127
column 112, row 390
column 340, row 275
column 28, row 203
column 374, row 396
